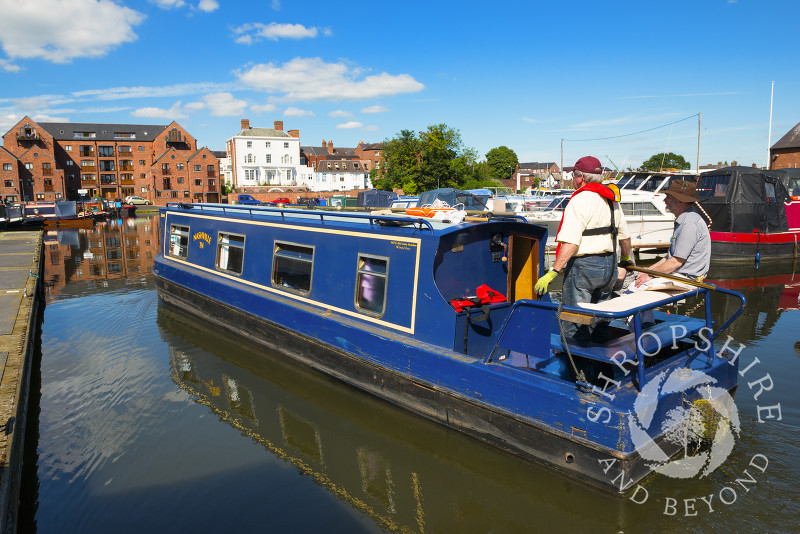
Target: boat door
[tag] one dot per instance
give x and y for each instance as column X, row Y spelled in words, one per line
column 523, row 267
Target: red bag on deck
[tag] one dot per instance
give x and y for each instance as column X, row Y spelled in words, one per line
column 484, row 295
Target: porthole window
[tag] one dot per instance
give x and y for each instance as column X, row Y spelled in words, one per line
column 178, row 241
column 371, row 277
column 292, row 267
column 230, row 253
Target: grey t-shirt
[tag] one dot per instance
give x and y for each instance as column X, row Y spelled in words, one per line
column 691, row 242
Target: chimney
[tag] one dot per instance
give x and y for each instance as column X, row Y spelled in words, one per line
column 279, row 125
column 294, row 133
column 245, row 124
column 330, row 147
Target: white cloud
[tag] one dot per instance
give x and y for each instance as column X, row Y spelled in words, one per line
column 168, row 4
column 340, row 113
column 62, row 30
column 223, row 105
column 172, row 113
column 297, row 112
column 183, row 89
column 8, row 66
column 263, row 108
column 375, row 109
column 255, row 31
column 208, row 5
column 349, row 125
column 311, row 79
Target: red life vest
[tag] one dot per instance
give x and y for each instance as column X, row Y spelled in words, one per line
column 602, row 190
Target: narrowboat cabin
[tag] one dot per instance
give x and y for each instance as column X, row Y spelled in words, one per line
column 442, row 320
column 753, row 217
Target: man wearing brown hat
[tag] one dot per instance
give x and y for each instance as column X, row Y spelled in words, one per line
column 587, row 241
column 690, row 248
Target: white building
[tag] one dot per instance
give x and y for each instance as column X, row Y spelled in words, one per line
column 265, row 156
column 341, row 175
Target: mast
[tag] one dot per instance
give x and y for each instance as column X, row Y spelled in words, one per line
column 769, row 134
column 699, row 118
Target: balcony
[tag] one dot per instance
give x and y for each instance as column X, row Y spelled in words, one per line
column 128, row 168
column 127, row 182
column 108, row 181
column 211, row 173
column 212, row 188
column 47, row 171
column 48, row 187
column 87, row 153
column 28, row 136
column 165, row 170
column 88, row 168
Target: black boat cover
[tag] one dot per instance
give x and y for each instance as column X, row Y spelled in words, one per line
column 375, row 198
column 744, row 199
column 454, row 197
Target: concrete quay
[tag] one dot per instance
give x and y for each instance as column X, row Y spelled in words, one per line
column 21, row 308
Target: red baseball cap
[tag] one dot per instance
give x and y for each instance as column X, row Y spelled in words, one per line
column 589, row 164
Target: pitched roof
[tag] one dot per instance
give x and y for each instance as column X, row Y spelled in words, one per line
column 64, row 131
column 535, row 165
column 790, row 140
column 262, row 132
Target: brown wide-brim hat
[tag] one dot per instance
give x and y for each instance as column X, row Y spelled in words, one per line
column 682, row 190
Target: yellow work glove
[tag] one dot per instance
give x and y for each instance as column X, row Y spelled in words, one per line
column 625, row 261
column 544, row 281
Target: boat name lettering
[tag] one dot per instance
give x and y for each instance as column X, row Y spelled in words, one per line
column 402, row 245
column 202, row 236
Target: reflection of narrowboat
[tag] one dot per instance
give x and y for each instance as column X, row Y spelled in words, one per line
column 404, row 473
column 413, row 312
column 752, row 214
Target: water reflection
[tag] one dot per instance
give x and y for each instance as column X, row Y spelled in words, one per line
column 407, row 474
column 115, row 249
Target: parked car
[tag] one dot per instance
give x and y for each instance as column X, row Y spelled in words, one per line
column 247, row 199
column 282, row 200
column 137, row 200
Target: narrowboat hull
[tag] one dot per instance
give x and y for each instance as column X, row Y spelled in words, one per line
column 567, row 453
column 741, row 246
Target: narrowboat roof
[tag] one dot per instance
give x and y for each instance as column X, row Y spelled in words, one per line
column 395, row 223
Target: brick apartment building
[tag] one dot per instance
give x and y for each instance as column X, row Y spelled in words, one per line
column 47, row 161
column 785, row 153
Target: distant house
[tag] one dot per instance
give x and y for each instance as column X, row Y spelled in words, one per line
column 786, row 152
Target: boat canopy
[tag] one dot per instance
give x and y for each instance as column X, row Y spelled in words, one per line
column 453, row 197
column 375, row 198
column 744, row 199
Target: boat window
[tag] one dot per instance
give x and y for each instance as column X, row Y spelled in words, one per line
column 178, row 241
column 371, row 284
column 638, row 209
column 770, row 192
column 230, row 253
column 292, row 267
column 713, row 186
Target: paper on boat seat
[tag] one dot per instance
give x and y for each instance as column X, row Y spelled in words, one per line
column 630, row 301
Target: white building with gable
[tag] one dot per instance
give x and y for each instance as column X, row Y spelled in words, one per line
column 266, row 157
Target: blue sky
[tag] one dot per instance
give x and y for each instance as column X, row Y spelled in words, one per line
column 523, row 74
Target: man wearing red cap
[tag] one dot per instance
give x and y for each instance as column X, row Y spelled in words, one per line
column 590, row 226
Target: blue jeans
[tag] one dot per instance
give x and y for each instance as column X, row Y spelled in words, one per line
column 587, row 279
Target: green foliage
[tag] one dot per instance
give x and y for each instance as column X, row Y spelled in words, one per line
column 427, row 160
column 501, row 162
column 665, row 161
column 227, row 188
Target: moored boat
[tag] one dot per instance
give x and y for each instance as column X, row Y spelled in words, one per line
column 753, row 216
column 441, row 319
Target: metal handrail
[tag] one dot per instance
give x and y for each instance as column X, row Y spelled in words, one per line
column 691, row 354
column 256, row 210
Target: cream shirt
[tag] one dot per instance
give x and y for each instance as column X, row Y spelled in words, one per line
column 587, row 210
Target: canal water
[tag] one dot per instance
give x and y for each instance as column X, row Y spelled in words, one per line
column 146, row 419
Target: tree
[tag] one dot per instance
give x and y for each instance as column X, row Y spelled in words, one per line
column 661, row 161
column 501, row 162
column 428, row 160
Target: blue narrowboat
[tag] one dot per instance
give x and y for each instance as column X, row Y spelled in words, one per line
column 442, row 320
